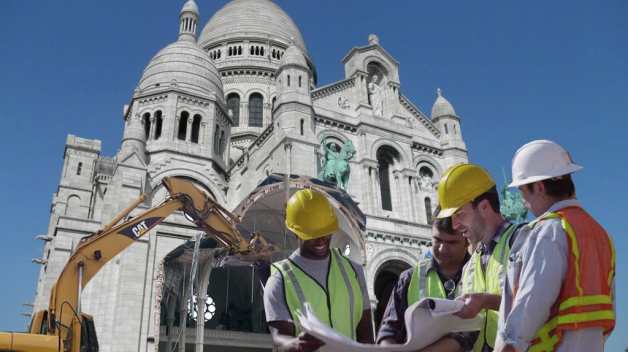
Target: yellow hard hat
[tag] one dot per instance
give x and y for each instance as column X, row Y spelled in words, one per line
column 461, row 184
column 310, row 215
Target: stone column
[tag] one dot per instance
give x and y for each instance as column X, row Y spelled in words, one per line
column 400, row 203
column 188, row 130
column 362, row 88
column 368, row 190
column 244, row 114
column 411, row 198
column 151, row 134
column 183, row 325
column 377, row 204
column 176, row 127
column 201, row 133
column 200, row 323
column 266, row 118
column 288, row 148
column 364, row 147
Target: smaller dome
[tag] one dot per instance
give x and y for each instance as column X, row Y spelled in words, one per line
column 293, row 56
column 442, row 107
column 184, row 65
column 190, row 6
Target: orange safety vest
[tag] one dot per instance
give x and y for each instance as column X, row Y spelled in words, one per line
column 585, row 299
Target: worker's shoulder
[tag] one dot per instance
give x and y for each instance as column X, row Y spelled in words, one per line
column 547, row 229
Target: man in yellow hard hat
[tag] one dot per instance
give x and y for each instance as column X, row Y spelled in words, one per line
column 333, row 285
column 468, row 195
column 560, row 288
column 438, row 276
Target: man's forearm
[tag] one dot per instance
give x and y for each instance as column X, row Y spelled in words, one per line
column 445, row 344
column 491, row 301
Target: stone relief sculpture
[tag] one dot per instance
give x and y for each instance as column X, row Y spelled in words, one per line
column 425, row 181
column 335, row 164
column 343, row 102
column 375, row 95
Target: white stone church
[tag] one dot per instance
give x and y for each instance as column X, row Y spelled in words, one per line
column 224, row 110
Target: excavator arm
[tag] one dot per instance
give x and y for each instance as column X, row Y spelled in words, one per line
column 64, row 317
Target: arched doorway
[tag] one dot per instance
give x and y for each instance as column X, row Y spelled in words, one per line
column 385, row 280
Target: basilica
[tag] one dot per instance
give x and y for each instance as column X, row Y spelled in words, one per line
column 225, row 108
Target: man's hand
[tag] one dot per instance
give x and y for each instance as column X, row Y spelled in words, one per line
column 307, row 343
column 473, row 304
column 503, row 347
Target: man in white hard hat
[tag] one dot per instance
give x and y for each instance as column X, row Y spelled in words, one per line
column 559, row 293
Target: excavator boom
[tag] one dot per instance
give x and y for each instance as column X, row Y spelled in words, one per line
column 64, row 317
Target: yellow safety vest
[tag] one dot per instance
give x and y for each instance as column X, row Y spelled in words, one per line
column 425, row 283
column 474, row 281
column 339, row 307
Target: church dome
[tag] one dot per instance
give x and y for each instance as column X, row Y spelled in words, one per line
column 293, row 56
column 184, row 65
column 442, row 107
column 260, row 19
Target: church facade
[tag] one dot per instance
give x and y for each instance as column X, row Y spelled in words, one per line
column 225, row 110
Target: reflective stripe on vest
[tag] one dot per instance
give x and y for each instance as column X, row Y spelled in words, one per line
column 579, row 307
column 340, row 306
column 474, row 281
column 426, row 283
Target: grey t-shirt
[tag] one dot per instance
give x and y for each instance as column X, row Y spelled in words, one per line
column 274, row 299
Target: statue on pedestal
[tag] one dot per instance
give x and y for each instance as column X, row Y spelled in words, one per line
column 375, row 95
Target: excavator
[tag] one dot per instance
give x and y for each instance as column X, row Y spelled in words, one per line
column 63, row 327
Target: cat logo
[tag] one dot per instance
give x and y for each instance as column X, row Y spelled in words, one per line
column 140, row 229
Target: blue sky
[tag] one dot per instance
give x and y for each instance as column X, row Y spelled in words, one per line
column 514, row 71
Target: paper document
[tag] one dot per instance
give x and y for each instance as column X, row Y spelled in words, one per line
column 426, row 322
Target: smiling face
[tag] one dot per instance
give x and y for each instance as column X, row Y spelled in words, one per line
column 316, row 249
column 468, row 220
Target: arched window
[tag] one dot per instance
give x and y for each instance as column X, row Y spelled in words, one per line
column 288, row 80
column 252, row 50
column 384, row 183
column 256, row 110
column 299, row 81
column 261, row 51
column 146, row 121
column 455, row 131
column 302, row 122
column 183, row 125
column 72, row 206
column 240, row 50
column 446, row 129
column 79, row 169
column 216, row 140
column 428, row 210
column 196, row 128
column 159, row 121
column 229, row 51
column 221, row 144
column 233, row 104
column 387, row 158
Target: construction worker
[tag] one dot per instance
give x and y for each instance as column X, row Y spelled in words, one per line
column 468, row 195
column 333, row 285
column 560, row 288
column 438, row 276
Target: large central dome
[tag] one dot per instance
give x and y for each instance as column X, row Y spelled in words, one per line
column 251, row 19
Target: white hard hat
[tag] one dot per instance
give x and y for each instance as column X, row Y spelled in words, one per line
column 541, row 160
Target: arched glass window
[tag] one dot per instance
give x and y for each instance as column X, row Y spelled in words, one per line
column 159, row 121
column 428, row 210
column 233, row 104
column 446, row 129
column 288, row 80
column 146, row 120
column 217, row 140
column 79, row 168
column 221, row 144
column 384, row 184
column 302, row 122
column 196, row 128
column 183, row 125
column 256, row 110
